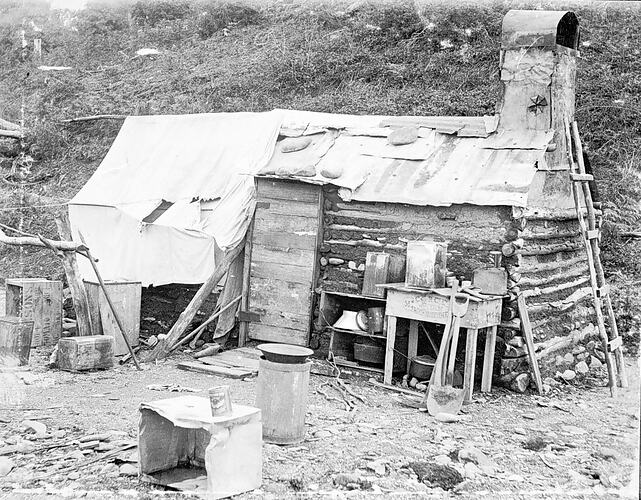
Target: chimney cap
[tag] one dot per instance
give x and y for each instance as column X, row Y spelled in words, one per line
column 540, row 28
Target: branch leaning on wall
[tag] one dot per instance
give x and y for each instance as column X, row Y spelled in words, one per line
column 163, row 348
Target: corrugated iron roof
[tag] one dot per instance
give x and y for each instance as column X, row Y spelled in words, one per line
column 296, row 123
column 438, row 169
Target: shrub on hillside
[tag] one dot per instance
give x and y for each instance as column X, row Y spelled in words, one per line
column 219, row 15
column 101, row 22
column 102, row 29
column 153, row 12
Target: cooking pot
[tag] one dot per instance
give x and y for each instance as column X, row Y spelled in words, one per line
column 421, row 367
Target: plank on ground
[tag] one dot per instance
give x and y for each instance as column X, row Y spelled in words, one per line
column 248, row 352
column 222, row 371
column 232, row 359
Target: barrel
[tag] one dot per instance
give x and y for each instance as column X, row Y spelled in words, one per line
column 281, row 394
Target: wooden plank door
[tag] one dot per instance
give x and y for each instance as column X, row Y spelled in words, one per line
column 285, row 240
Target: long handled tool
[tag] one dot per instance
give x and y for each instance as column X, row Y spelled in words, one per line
column 437, row 372
column 442, row 396
column 459, row 309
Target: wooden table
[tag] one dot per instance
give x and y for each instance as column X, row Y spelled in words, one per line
column 432, row 305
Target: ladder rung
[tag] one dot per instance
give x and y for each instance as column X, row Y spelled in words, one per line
column 603, row 291
column 615, row 344
column 581, row 177
column 592, row 235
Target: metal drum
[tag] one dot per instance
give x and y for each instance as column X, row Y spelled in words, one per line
column 281, row 394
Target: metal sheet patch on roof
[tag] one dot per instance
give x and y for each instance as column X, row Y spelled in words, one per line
column 519, row 139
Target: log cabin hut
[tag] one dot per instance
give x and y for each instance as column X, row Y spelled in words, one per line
column 340, row 186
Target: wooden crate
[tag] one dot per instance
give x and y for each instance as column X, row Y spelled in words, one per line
column 15, row 341
column 40, row 301
column 125, row 296
column 91, row 352
column 426, row 264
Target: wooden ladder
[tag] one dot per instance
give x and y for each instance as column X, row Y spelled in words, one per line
column 591, row 235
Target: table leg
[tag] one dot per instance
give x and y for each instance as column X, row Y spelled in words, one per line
column 470, row 362
column 389, row 349
column 412, row 344
column 488, row 359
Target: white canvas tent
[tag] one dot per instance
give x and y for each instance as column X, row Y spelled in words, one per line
column 171, row 193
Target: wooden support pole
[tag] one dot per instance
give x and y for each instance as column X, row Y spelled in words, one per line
column 470, row 363
column 243, row 327
column 74, row 280
column 488, row 358
column 526, row 329
column 163, row 348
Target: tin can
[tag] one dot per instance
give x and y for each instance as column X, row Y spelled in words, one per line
column 375, row 316
column 220, row 400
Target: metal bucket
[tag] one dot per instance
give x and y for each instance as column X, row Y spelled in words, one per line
column 375, row 317
column 281, row 394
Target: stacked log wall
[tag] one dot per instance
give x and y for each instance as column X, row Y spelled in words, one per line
column 351, row 229
column 549, row 265
column 551, row 270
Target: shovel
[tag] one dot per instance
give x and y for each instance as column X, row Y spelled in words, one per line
column 437, row 372
column 443, row 397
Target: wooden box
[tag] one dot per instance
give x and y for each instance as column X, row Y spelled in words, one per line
column 125, row 296
column 91, row 352
column 15, row 341
column 40, row 301
column 492, row 281
column 182, row 446
column 426, row 264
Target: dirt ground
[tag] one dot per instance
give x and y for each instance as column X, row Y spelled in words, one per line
column 587, row 446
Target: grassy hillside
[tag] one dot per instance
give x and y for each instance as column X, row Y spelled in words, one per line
column 401, row 57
